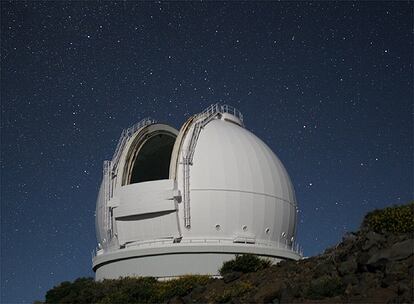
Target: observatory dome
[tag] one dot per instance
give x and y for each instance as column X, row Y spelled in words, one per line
column 178, row 202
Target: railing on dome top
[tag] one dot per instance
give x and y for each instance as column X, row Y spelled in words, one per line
column 202, row 120
column 218, row 108
column 125, row 135
column 109, row 167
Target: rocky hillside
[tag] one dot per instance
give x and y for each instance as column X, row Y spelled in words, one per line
column 373, row 265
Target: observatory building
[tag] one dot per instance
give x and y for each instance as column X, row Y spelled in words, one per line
column 183, row 202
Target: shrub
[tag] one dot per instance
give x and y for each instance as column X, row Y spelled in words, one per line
column 325, row 287
column 178, row 287
column 244, row 263
column 235, row 291
column 79, row 291
column 124, row 290
column 396, row 219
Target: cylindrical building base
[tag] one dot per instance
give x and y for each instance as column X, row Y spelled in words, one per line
column 177, row 260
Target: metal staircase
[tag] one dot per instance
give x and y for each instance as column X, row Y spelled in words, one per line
column 107, row 196
column 109, row 172
column 125, row 135
column 202, row 120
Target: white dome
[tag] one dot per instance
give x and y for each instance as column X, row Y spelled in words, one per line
column 237, row 182
column 184, row 202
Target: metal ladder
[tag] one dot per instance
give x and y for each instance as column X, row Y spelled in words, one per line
column 107, row 197
column 109, row 169
column 203, row 119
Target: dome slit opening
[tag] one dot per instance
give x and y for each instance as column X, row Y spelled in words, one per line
column 153, row 159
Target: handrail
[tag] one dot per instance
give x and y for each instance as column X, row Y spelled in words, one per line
column 294, row 246
column 222, row 108
column 107, row 196
column 125, row 135
column 109, row 167
column 203, row 119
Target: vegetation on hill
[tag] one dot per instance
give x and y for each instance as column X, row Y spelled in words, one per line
column 244, row 263
column 373, row 265
column 396, row 219
column 125, row 290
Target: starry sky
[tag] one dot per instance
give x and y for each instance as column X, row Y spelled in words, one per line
column 327, row 85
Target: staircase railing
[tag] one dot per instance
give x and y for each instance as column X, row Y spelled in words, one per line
column 107, row 196
column 125, row 135
column 109, row 168
column 202, row 120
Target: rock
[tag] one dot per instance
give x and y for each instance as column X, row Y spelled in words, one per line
column 199, row 289
column 403, row 287
column 296, row 290
column 342, row 256
column 395, row 272
column 373, row 250
column 410, row 262
column 349, row 236
column 176, row 300
column 323, row 267
column 402, row 250
column 362, row 260
column 348, row 267
column 188, row 299
column 377, row 265
column 398, row 251
column 348, row 289
column 268, row 293
column 329, row 250
column 374, row 236
column 396, row 267
column 350, row 279
column 232, row 276
column 236, row 301
column 369, row 280
column 372, row 239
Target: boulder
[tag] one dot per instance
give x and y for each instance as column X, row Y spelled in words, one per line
column 323, row 267
column 372, row 239
column 368, row 281
column 270, row 294
column 176, row 300
column 348, row 267
column 350, row 279
column 398, row 251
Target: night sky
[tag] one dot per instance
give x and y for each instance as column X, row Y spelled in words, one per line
column 328, row 86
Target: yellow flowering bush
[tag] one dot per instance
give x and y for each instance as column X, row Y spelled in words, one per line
column 234, row 291
column 396, row 219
